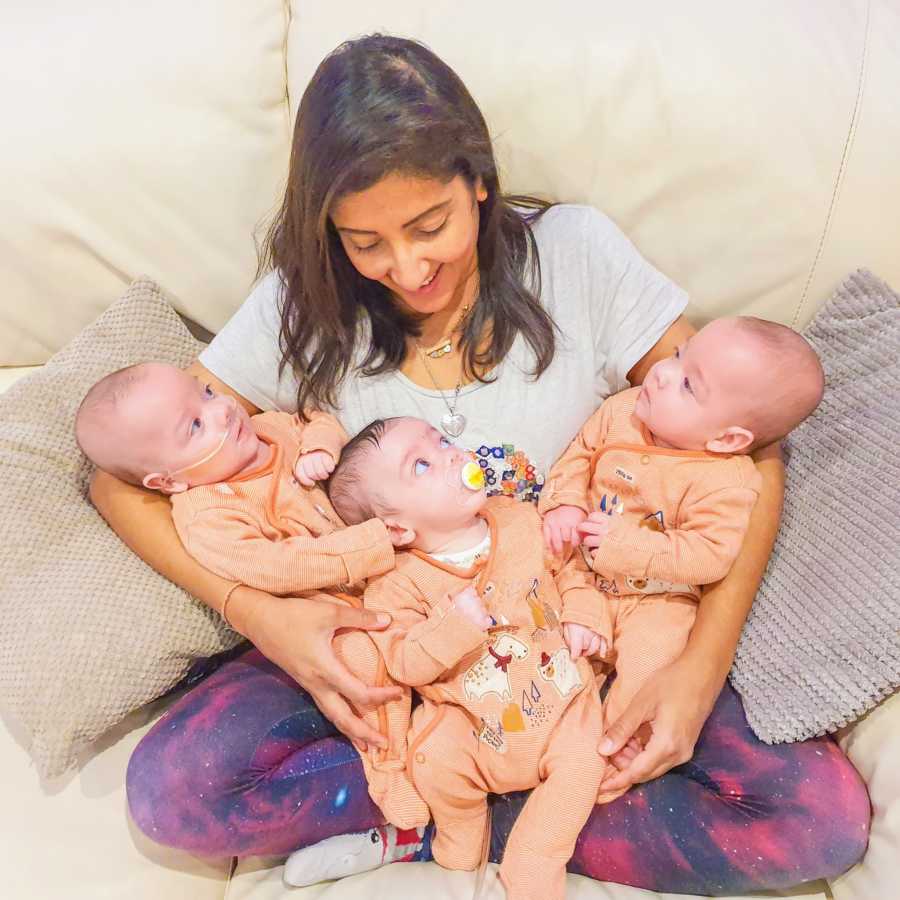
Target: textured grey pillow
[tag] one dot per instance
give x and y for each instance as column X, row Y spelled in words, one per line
column 89, row 632
column 821, row 645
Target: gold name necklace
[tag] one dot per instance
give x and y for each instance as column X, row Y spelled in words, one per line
column 445, row 345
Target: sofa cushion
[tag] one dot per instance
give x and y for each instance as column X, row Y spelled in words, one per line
column 69, row 838
column 149, row 139
column 89, row 631
column 873, row 746
column 820, row 645
column 10, row 375
column 745, row 149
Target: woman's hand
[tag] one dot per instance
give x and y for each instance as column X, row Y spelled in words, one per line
column 560, row 526
column 296, row 633
column 665, row 716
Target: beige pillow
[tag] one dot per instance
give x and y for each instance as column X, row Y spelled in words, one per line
column 89, row 632
column 820, row 646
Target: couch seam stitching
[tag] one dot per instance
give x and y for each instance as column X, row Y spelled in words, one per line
column 842, row 168
column 288, row 20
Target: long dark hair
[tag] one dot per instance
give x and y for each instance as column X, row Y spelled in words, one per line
column 375, row 106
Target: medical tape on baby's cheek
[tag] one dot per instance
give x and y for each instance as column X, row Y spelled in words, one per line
column 218, row 446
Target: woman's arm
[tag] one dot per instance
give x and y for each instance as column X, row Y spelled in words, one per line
column 201, row 373
column 677, row 700
column 675, row 335
column 294, row 632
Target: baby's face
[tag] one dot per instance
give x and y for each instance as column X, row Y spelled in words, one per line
column 169, row 422
column 418, row 472
column 708, row 386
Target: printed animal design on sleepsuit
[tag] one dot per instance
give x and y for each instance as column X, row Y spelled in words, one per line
column 490, row 675
column 655, row 586
column 559, row 669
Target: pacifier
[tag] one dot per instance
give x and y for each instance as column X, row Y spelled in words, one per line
column 472, row 476
column 467, row 472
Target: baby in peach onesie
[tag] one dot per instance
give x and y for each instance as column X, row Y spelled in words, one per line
column 246, row 504
column 480, row 630
column 658, row 490
column 244, row 495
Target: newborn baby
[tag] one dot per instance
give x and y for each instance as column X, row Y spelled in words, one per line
column 479, row 629
column 244, row 495
column 658, row 489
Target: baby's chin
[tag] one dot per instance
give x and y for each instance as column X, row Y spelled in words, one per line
column 465, row 506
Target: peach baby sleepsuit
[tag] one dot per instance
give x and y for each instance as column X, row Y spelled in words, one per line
column 503, row 710
column 266, row 530
column 679, row 518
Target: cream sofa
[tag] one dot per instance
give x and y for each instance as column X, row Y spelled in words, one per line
column 748, row 149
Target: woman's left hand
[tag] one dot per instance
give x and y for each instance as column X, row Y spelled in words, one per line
column 666, row 715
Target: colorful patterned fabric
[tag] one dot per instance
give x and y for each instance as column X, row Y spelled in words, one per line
column 509, row 472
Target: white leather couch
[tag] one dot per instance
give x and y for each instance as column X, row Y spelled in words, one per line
column 750, row 150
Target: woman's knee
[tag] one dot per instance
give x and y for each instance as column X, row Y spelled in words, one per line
column 179, row 797
column 846, row 819
column 177, row 773
column 146, row 788
column 826, row 798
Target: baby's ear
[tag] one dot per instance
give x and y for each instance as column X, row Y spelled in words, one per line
column 157, row 481
column 733, row 439
column 400, row 535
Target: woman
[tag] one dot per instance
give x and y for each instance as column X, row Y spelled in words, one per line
column 403, row 282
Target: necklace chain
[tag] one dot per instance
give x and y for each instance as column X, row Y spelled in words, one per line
column 452, row 422
column 445, row 344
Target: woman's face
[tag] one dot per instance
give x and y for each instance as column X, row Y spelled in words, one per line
column 417, row 236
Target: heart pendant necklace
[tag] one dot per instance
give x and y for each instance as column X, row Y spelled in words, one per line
column 453, row 422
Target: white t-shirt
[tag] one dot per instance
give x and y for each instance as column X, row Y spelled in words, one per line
column 611, row 307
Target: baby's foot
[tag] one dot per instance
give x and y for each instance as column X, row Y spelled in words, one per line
column 349, row 854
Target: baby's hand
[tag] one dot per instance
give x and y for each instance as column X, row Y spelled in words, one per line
column 469, row 604
column 560, row 526
column 313, row 467
column 594, row 528
column 581, row 641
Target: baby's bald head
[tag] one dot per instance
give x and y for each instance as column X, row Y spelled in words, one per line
column 792, row 379
column 157, row 425
column 736, row 385
column 99, row 421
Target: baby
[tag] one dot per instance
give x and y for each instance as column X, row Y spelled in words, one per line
column 480, row 629
column 658, row 489
column 247, row 506
column 243, row 490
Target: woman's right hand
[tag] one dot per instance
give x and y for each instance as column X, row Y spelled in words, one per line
column 296, row 634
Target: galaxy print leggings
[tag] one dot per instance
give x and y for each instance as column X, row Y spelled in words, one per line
column 245, row 764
